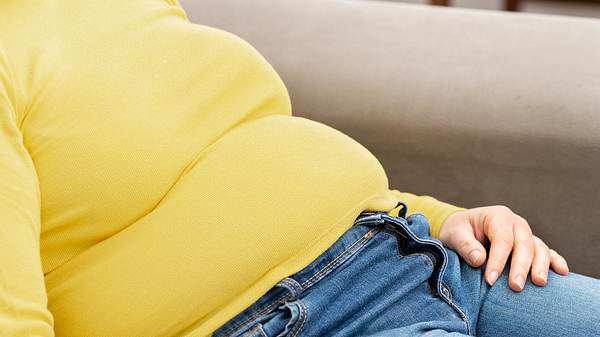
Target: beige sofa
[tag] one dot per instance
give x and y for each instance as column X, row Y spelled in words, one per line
column 473, row 107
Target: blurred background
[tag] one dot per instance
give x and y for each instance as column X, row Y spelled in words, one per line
column 590, row 8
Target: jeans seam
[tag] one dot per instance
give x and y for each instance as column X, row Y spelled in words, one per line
column 231, row 331
column 454, row 305
column 302, row 319
column 448, row 290
column 339, row 259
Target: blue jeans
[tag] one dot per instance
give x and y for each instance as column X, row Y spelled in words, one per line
column 385, row 276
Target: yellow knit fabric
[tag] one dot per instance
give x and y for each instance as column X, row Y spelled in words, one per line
column 153, row 181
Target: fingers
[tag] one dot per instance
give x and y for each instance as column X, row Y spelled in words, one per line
column 541, row 263
column 522, row 255
column 558, row 263
column 519, row 241
column 501, row 239
column 468, row 246
column 462, row 237
column 465, row 232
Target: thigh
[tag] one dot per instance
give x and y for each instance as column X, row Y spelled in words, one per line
column 565, row 306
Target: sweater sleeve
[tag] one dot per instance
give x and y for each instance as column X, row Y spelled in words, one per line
column 23, row 299
column 436, row 211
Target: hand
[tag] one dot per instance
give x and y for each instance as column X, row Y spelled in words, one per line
column 466, row 232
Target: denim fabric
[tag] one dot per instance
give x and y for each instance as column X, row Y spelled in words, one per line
column 387, row 277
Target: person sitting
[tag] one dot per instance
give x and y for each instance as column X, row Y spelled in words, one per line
column 154, row 182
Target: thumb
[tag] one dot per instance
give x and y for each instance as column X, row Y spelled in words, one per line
column 462, row 240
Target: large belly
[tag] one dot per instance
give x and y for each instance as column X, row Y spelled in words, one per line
column 249, row 203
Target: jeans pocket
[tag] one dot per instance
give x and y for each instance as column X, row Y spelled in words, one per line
column 286, row 320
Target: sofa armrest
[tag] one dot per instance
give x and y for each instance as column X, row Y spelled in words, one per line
column 472, row 107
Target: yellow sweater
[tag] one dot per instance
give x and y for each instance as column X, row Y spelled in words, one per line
column 152, row 179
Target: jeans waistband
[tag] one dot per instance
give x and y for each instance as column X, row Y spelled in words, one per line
column 365, row 226
column 290, row 288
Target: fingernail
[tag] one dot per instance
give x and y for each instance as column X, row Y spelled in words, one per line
column 492, row 277
column 519, row 281
column 543, row 275
column 474, row 255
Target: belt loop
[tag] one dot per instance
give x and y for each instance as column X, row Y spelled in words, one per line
column 402, row 212
column 291, row 285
